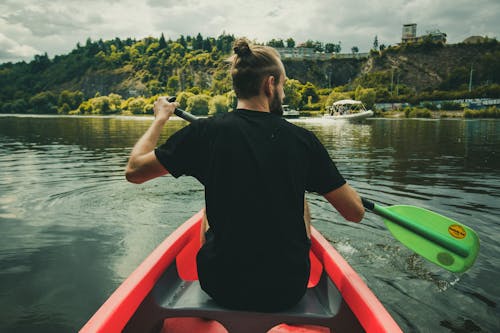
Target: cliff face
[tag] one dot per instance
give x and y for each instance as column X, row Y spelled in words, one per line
column 420, row 67
column 429, row 67
column 324, row 73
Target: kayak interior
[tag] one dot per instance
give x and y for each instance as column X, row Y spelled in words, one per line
column 165, row 286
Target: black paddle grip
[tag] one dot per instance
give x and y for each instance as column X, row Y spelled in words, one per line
column 181, row 113
column 368, row 204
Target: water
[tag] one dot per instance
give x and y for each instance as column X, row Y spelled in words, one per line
column 73, row 229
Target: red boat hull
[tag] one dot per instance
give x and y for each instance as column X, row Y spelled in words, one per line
column 181, row 248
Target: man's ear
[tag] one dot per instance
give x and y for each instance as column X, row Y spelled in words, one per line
column 268, row 85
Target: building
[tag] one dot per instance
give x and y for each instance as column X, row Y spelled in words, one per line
column 301, row 53
column 409, row 35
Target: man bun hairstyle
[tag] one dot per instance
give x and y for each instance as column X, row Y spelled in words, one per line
column 241, row 48
column 251, row 64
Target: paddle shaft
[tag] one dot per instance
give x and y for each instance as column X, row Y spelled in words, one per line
column 181, row 113
column 417, row 228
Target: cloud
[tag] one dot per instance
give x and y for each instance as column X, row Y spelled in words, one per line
column 56, row 26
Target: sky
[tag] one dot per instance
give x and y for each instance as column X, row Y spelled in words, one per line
column 30, row 27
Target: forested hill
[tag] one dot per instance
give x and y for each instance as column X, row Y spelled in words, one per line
column 126, row 69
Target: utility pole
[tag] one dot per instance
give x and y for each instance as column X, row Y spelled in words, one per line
column 470, row 78
column 397, row 85
column 392, row 78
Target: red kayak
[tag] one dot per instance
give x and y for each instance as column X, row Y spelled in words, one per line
column 163, row 295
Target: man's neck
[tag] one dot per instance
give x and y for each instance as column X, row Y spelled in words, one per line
column 257, row 103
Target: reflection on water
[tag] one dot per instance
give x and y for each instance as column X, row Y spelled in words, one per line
column 72, row 228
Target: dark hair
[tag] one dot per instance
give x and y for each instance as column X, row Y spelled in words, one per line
column 250, row 64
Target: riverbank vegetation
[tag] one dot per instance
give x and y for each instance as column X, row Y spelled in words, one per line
column 126, row 76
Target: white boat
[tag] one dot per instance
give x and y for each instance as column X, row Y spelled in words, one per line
column 290, row 113
column 348, row 109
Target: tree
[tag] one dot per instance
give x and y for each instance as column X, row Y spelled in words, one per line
column 290, row 43
column 367, row 96
column 115, row 101
column 44, row 102
column 293, row 93
column 309, row 90
column 136, row 106
column 218, row 104
column 232, row 100
column 173, row 85
column 162, row 42
column 207, row 44
column 332, row 48
column 198, row 105
column 375, row 43
column 182, row 99
column 354, row 49
column 276, row 43
column 72, row 98
column 336, row 96
column 182, row 41
column 198, row 42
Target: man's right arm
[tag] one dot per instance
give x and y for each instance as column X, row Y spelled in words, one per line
column 347, row 202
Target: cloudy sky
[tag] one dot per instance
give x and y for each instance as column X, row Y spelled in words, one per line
column 29, row 27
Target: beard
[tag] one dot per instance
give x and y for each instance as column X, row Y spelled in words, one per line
column 275, row 106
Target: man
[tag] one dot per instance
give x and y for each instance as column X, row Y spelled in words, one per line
column 255, row 167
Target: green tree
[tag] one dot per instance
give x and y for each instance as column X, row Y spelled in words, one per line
column 173, row 85
column 375, row 43
column 64, row 109
column 101, row 104
column 162, row 42
column 182, row 99
column 276, row 43
column 309, row 89
column 198, row 42
column 290, row 43
column 367, row 96
column 44, row 103
column 293, row 93
column 115, row 101
column 72, row 98
column 232, row 100
column 198, row 105
column 354, row 49
column 336, row 96
column 136, row 106
column 218, row 104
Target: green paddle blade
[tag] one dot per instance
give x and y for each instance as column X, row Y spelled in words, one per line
column 437, row 238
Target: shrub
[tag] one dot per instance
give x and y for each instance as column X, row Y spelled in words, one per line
column 136, row 106
column 312, row 107
column 491, row 112
column 232, row 100
column 198, row 105
column 451, row 106
column 182, row 99
column 218, row 104
column 418, row 113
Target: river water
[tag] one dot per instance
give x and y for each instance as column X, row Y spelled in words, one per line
column 72, row 229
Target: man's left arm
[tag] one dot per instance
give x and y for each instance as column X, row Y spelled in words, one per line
column 143, row 164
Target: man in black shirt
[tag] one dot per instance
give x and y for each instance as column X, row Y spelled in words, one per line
column 255, row 167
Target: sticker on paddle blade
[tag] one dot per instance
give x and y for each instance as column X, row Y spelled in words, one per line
column 457, row 231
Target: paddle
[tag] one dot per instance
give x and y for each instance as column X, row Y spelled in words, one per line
column 437, row 238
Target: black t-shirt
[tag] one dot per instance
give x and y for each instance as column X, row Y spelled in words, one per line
column 255, row 168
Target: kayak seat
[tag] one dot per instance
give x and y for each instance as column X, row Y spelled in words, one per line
column 173, row 297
